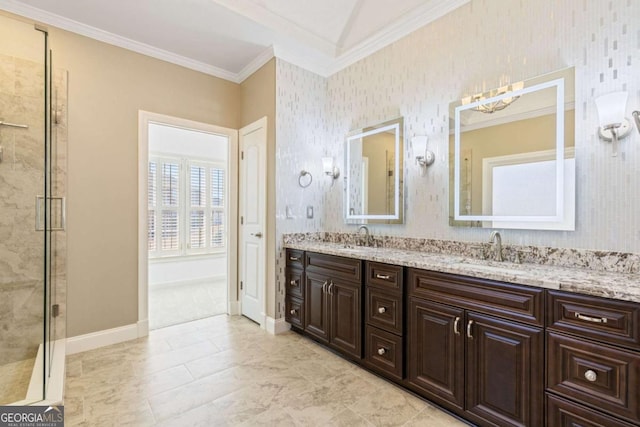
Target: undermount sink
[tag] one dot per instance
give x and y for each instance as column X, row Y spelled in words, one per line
column 505, row 269
column 497, row 267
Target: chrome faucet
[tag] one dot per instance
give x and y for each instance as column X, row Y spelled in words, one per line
column 495, row 237
column 366, row 235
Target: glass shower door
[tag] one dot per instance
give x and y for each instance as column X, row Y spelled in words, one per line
column 24, row 262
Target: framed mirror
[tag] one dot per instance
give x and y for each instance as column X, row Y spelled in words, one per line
column 512, row 156
column 374, row 180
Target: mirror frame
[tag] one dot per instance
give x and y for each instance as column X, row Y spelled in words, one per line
column 560, row 153
column 397, row 217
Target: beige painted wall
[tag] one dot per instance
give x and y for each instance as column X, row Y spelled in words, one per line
column 258, row 99
column 107, row 87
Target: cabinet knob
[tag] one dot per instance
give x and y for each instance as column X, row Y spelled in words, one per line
column 591, row 375
column 382, row 351
column 382, row 310
column 294, row 283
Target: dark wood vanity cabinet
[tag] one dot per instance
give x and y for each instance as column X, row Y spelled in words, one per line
column 384, row 319
column 593, row 360
column 333, row 302
column 494, row 353
column 466, row 352
column 294, row 288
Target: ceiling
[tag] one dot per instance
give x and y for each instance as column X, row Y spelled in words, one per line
column 233, row 38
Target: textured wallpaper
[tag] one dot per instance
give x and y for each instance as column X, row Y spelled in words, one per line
column 418, row 76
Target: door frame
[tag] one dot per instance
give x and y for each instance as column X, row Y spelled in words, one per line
column 144, row 119
column 252, row 127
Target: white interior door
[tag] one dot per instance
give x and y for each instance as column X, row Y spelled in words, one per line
column 253, row 199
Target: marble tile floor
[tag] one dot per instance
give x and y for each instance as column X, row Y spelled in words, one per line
column 226, row 371
column 14, row 380
column 183, row 302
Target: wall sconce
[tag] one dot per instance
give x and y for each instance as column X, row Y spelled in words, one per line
column 329, row 168
column 613, row 125
column 424, row 157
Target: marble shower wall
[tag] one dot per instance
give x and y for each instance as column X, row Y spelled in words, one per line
column 418, row 76
column 21, row 179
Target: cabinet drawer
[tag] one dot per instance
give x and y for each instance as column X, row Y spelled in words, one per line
column 295, row 258
column 384, row 310
column 335, row 266
column 294, row 311
column 595, row 374
column 521, row 303
column 383, row 352
column 562, row 413
column 610, row 321
column 384, row 276
column 294, row 283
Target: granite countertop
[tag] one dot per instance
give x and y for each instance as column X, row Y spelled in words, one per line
column 622, row 286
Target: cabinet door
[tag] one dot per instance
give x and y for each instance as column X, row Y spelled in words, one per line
column 505, row 363
column 316, row 306
column 346, row 323
column 435, row 360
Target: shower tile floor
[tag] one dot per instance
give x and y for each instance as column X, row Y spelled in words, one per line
column 14, row 380
column 180, row 303
column 226, row 371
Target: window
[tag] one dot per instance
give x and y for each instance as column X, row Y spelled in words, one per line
column 187, row 208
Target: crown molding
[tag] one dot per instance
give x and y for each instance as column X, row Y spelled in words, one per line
column 278, row 23
column 320, row 63
column 61, row 22
column 394, row 32
column 255, row 64
column 319, row 66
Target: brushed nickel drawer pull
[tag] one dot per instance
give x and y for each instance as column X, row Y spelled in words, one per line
column 293, row 312
column 382, row 351
column 591, row 318
column 383, row 276
column 591, row 375
column 382, row 310
column 294, row 258
column 324, row 286
column 469, row 334
column 331, row 286
column 294, row 283
column 456, row 326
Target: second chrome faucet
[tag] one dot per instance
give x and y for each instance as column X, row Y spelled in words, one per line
column 496, row 240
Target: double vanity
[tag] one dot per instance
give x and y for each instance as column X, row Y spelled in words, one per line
column 494, row 343
column 549, row 337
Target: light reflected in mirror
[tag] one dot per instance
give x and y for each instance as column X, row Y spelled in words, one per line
column 512, row 162
column 373, row 183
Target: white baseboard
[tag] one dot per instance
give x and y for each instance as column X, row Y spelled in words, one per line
column 277, row 326
column 104, row 338
column 143, row 328
column 234, row 308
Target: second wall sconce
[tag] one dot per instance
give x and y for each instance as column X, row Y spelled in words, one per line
column 613, row 124
column 423, row 156
column 329, row 168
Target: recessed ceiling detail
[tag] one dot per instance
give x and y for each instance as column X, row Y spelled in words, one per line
column 233, row 38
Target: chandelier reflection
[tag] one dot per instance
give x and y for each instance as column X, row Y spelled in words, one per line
column 495, row 105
